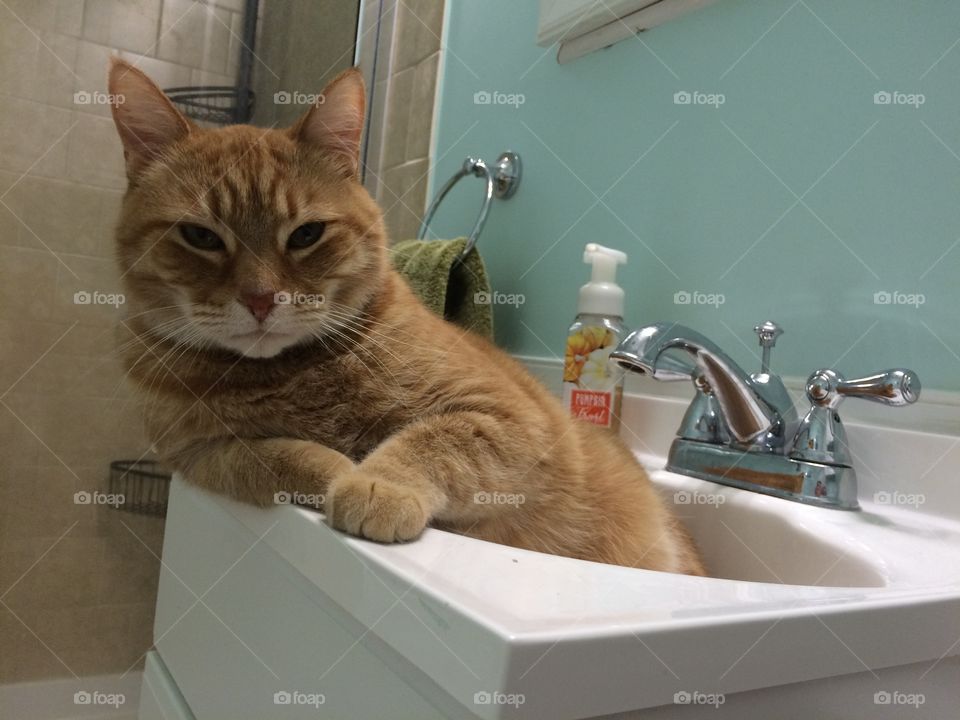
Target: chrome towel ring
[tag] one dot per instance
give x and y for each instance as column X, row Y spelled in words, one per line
column 501, row 182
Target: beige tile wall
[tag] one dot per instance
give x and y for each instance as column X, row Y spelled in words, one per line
column 401, row 117
column 77, row 582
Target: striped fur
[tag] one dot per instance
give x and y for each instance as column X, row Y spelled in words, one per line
column 366, row 404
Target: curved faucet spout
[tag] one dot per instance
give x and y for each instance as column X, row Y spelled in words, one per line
column 747, row 415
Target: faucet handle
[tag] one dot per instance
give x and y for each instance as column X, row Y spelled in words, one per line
column 821, row 437
column 768, row 332
column 896, row 387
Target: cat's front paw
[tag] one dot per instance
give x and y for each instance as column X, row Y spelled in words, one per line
column 370, row 506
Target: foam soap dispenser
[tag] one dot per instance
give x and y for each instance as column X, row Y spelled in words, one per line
column 592, row 385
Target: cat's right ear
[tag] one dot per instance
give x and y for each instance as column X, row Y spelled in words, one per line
column 148, row 123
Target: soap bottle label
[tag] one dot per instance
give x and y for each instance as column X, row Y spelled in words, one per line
column 592, row 405
column 591, row 387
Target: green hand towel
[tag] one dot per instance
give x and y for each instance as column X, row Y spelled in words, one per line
column 458, row 292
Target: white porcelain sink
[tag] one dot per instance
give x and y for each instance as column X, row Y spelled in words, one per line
column 801, row 593
column 754, row 537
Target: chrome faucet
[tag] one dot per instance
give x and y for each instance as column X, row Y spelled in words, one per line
column 741, row 429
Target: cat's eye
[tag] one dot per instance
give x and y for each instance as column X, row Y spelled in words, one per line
column 201, row 238
column 305, row 235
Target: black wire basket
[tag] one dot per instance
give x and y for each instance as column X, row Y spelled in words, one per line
column 217, row 104
column 141, row 486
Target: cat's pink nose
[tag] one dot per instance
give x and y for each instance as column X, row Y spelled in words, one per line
column 259, row 304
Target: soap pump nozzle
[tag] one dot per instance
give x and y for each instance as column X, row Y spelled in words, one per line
column 602, row 295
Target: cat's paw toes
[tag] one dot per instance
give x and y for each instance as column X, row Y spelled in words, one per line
column 367, row 505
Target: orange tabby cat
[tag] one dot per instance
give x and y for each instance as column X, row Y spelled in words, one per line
column 276, row 350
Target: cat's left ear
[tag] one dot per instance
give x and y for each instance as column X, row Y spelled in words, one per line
column 335, row 123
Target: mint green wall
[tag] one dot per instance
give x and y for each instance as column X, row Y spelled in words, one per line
column 706, row 199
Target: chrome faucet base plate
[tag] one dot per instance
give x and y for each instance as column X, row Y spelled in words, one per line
column 773, row 474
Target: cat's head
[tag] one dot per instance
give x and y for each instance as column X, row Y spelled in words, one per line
column 242, row 238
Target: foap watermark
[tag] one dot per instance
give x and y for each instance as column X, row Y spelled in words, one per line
column 295, row 97
column 884, row 297
column 499, row 298
column 484, row 697
column 95, row 697
column 299, row 498
column 299, row 298
column 98, row 498
column 95, row 297
column 895, row 97
column 896, row 697
column 297, row 697
column 696, row 697
column 695, row 97
column 495, row 97
column 499, row 498
column 685, row 497
column 897, row 497
column 695, row 297
column 85, row 97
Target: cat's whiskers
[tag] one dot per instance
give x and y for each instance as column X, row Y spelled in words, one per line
column 351, row 346
column 367, row 327
column 148, row 343
column 162, row 367
column 158, row 335
column 184, row 314
column 158, row 368
column 392, row 330
column 125, row 322
column 362, row 314
column 165, row 365
column 347, row 349
column 366, row 333
column 418, row 347
column 178, row 306
column 360, row 344
column 155, row 378
column 170, row 331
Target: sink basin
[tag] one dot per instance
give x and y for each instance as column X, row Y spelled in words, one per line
column 752, row 537
column 757, row 538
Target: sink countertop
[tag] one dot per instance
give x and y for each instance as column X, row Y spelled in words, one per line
column 544, row 626
column 549, row 627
